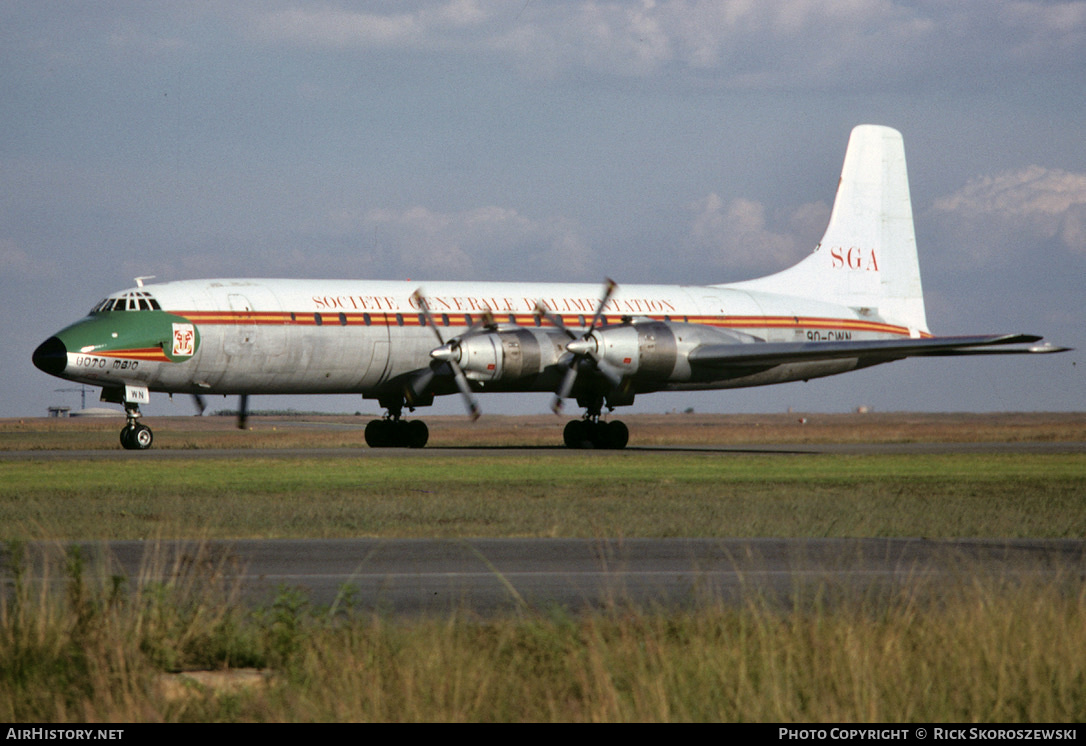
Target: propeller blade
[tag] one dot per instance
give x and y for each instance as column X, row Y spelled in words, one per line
column 608, row 291
column 424, row 307
column 585, row 346
column 565, row 387
column 416, row 386
column 243, row 411
column 201, row 405
column 447, row 353
column 465, row 390
column 606, row 370
column 486, row 320
column 542, row 310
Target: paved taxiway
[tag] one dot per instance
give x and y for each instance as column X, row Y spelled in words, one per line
column 488, row 576
column 411, row 576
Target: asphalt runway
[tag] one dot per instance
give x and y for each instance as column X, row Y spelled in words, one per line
column 413, row 577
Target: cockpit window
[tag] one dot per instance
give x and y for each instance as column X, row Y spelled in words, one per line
column 134, row 301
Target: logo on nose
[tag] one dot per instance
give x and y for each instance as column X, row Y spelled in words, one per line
column 184, row 338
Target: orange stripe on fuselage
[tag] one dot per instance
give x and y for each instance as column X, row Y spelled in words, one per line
column 412, row 319
column 153, row 354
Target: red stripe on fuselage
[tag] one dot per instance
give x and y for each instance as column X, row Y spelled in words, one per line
column 412, row 319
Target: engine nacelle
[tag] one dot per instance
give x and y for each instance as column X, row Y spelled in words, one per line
column 642, row 350
column 506, row 354
column 655, row 351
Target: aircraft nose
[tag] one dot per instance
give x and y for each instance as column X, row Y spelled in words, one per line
column 51, row 356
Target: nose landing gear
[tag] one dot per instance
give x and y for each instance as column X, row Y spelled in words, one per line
column 135, row 436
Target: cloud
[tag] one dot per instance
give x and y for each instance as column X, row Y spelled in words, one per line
column 16, row 265
column 738, row 44
column 427, row 26
column 737, row 236
column 491, row 243
column 1014, row 211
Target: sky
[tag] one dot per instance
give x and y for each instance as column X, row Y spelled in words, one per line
column 674, row 141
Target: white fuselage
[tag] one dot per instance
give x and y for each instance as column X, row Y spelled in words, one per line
column 339, row 336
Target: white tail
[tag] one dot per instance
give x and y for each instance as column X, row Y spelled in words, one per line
column 867, row 258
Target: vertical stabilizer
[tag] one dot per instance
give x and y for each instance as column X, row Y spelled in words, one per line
column 867, row 257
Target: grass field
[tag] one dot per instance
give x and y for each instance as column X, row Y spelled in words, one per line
column 986, row 649
column 564, row 494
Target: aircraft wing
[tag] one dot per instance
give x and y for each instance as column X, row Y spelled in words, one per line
column 883, row 350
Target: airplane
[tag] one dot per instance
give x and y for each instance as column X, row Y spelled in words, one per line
column 854, row 302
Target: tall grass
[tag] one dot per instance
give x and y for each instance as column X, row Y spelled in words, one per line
column 984, row 649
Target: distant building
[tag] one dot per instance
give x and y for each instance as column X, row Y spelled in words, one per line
column 97, row 412
column 60, row 411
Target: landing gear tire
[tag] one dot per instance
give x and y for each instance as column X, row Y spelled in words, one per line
column 397, row 434
column 416, row 434
column 575, row 434
column 616, row 434
column 136, row 437
column 612, row 435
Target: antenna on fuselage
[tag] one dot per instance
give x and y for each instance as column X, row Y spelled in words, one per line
column 139, row 280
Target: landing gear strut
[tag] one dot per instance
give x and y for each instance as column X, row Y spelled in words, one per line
column 135, row 436
column 395, row 432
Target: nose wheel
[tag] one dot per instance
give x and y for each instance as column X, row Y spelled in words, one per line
column 135, row 436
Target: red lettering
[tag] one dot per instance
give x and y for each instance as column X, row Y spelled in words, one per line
column 854, row 256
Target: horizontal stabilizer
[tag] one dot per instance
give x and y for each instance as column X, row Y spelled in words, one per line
column 883, row 350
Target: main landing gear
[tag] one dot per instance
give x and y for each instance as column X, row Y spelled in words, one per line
column 395, row 432
column 592, row 432
column 135, row 436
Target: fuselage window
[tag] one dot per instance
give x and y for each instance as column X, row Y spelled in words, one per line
column 343, row 319
column 512, row 319
column 154, row 305
column 467, row 319
column 366, row 318
column 580, row 320
column 444, row 319
column 317, row 318
column 399, row 319
column 293, row 318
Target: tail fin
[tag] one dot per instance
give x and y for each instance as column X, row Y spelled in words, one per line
column 867, row 258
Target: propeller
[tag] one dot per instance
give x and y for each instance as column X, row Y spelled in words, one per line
column 448, row 353
column 581, row 348
column 201, row 405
